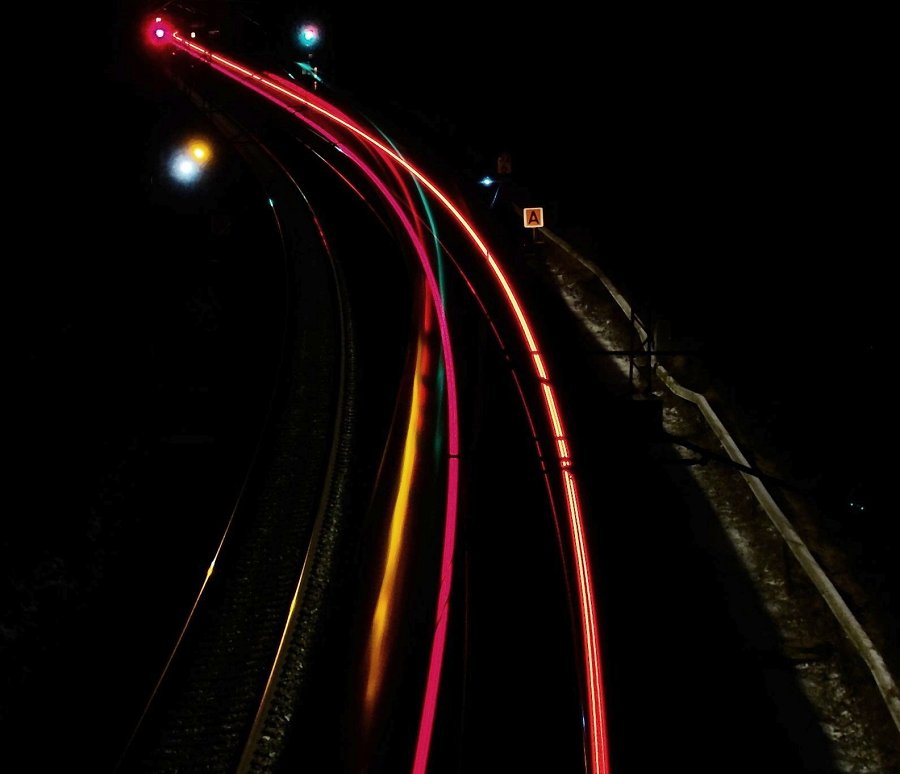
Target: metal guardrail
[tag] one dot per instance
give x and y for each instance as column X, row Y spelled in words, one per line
column 842, row 613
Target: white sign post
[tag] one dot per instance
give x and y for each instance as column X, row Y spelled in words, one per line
column 534, row 219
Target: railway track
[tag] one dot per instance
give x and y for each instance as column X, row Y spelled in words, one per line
column 233, row 678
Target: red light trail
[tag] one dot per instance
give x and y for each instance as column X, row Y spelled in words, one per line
column 289, row 95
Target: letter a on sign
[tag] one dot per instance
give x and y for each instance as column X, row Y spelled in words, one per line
column 533, row 216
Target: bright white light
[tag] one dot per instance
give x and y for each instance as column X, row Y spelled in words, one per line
column 184, row 168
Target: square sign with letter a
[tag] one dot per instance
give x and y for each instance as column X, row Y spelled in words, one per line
column 533, row 217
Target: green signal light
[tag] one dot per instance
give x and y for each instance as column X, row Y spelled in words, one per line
column 309, row 36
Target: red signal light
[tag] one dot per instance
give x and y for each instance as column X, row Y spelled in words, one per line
column 158, row 31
